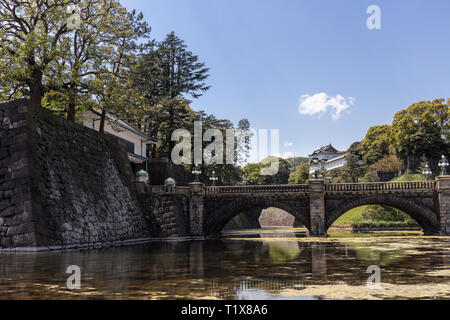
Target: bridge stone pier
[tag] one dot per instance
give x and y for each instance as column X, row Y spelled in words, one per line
column 443, row 189
column 316, row 205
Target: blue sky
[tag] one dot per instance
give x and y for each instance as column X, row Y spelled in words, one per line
column 265, row 55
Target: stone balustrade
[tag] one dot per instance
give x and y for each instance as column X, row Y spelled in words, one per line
column 382, row 186
column 257, row 189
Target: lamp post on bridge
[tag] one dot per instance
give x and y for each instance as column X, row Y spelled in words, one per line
column 244, row 179
column 319, row 166
column 196, row 171
column 214, row 178
column 427, row 172
column 443, row 164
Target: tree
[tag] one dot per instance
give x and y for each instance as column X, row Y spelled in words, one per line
column 375, row 145
column 255, row 176
column 423, row 165
column 113, row 86
column 421, row 129
column 253, row 173
column 168, row 71
column 300, row 175
column 294, row 162
column 371, row 176
column 31, row 38
column 389, row 164
column 243, row 140
column 68, row 67
column 354, row 167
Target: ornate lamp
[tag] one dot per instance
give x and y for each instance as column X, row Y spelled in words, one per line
column 427, row 172
column 315, row 164
column 443, row 164
column 214, row 178
column 322, row 168
column 245, row 179
column 142, row 176
column 170, row 182
column 196, row 171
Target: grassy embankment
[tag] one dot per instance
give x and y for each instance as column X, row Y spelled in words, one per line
column 355, row 218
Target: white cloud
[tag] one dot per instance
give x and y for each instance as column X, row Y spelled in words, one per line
column 283, row 155
column 288, row 144
column 321, row 103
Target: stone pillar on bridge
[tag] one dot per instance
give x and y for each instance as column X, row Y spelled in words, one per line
column 443, row 188
column 317, row 207
column 197, row 190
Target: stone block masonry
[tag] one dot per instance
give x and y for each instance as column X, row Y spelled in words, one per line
column 166, row 214
column 62, row 184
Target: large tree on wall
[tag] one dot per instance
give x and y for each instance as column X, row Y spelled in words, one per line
column 421, row 129
column 43, row 56
column 31, row 37
column 113, row 87
column 96, row 56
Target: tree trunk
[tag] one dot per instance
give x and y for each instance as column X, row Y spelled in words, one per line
column 71, row 109
column 36, row 89
column 171, row 129
column 102, row 122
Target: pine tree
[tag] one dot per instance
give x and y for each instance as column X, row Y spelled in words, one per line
column 168, row 72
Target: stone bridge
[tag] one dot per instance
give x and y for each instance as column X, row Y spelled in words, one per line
column 316, row 205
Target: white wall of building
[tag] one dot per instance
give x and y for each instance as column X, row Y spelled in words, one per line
column 140, row 144
column 332, row 164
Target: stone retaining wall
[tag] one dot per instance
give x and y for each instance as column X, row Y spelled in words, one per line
column 62, row 184
column 166, row 214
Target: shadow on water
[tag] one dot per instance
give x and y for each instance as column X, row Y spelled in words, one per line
column 252, row 264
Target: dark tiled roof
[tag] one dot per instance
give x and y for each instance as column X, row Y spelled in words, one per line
column 326, row 149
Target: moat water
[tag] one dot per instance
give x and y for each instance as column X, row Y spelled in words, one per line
column 274, row 263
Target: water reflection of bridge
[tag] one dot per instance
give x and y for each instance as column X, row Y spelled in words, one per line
column 221, row 267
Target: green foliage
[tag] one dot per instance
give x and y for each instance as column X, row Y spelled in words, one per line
column 389, row 164
column 255, row 176
column 294, row 162
column 31, row 38
column 380, row 213
column 243, row 139
column 421, row 129
column 166, row 75
column 352, row 216
column 353, row 169
column 410, row 177
column 63, row 69
column 375, row 216
column 371, row 176
column 300, row 175
column 375, row 145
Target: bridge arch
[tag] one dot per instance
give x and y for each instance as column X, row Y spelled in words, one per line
column 219, row 212
column 426, row 218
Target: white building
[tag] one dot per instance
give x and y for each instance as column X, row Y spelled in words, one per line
column 329, row 157
column 135, row 141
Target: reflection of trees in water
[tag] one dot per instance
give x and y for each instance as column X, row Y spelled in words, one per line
column 365, row 252
column 181, row 268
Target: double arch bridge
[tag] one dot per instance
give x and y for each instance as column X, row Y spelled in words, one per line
column 316, row 205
